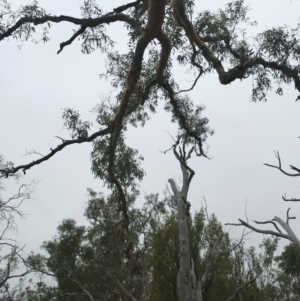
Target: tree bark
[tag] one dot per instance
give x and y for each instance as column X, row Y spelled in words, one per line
column 184, row 288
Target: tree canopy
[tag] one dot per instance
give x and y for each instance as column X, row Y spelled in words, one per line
column 198, row 258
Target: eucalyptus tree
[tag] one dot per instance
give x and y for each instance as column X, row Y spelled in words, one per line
column 99, row 262
column 171, row 250
column 206, row 42
column 210, row 43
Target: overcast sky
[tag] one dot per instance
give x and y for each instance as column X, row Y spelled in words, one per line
column 36, row 83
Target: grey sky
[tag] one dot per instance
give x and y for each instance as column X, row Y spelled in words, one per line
column 36, row 84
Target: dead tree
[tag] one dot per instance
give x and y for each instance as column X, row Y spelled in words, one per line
column 188, row 286
column 278, row 222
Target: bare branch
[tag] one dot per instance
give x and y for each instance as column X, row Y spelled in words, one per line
column 32, row 152
column 70, row 41
column 205, row 206
column 89, row 295
column 211, row 261
column 269, row 222
column 233, row 224
column 288, row 217
column 290, row 200
column 240, row 288
column 124, row 7
column 279, row 167
column 187, row 171
column 125, row 291
column 193, row 85
column 292, row 236
column 263, row 231
column 295, row 168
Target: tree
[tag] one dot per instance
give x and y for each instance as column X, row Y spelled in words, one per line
column 289, row 235
column 78, row 257
column 12, row 262
column 283, row 282
column 219, row 46
column 94, row 262
column 210, row 43
column 289, row 277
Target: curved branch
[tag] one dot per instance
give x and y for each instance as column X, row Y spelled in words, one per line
column 181, row 117
column 10, row 171
column 290, row 200
column 282, row 235
column 84, row 290
column 166, row 48
column 290, row 233
column 153, row 28
column 125, row 291
column 279, row 167
column 288, row 217
column 211, row 261
column 269, row 222
column 288, row 229
column 125, row 7
column 193, row 85
column 240, row 288
column 237, row 72
column 187, row 171
column 70, row 41
column 191, row 33
column 85, row 23
column 8, row 276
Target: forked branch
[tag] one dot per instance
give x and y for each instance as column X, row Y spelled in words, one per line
column 280, row 168
column 152, row 30
column 83, row 22
column 239, row 71
column 290, row 235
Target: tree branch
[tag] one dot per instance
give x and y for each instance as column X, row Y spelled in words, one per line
column 211, row 261
column 124, row 7
column 269, row 222
column 237, row 72
column 74, row 36
column 282, row 235
column 10, row 171
column 290, row 200
column 181, row 117
column 240, row 288
column 125, row 291
column 85, row 23
column 279, row 167
column 153, row 28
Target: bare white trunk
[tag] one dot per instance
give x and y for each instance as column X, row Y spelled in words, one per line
column 184, row 288
column 287, row 229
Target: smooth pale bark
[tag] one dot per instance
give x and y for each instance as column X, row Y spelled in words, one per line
column 184, row 288
column 290, row 235
column 188, row 287
column 288, row 230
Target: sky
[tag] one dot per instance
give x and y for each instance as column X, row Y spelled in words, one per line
column 36, row 84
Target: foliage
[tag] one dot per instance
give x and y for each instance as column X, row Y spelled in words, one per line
column 126, row 250
column 93, row 257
